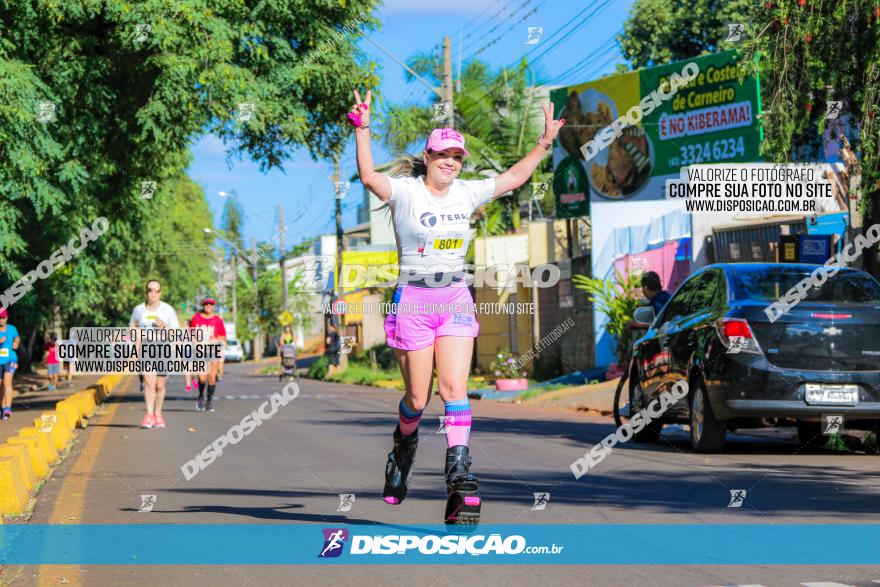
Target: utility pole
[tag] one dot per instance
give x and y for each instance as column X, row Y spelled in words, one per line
column 258, row 338
column 340, row 330
column 458, row 71
column 283, row 268
column 447, row 81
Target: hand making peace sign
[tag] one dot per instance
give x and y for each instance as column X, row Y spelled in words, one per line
column 360, row 112
column 551, row 127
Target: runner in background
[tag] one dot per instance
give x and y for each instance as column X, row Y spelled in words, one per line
column 332, row 346
column 53, row 368
column 154, row 313
column 9, row 341
column 216, row 332
column 286, row 337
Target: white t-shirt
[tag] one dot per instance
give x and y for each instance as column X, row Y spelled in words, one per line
column 432, row 232
column 146, row 318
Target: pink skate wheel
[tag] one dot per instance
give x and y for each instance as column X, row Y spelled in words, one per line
column 392, row 500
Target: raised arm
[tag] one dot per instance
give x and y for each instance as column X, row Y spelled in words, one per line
column 525, row 167
column 377, row 183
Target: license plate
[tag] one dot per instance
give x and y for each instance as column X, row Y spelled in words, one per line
column 831, row 394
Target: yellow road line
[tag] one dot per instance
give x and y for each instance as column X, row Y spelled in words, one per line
column 68, row 508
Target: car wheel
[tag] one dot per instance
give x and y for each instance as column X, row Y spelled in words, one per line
column 707, row 432
column 810, row 434
column 651, row 432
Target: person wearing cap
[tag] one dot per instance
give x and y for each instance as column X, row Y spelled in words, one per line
column 435, row 322
column 9, row 341
column 216, row 332
column 53, row 367
column 154, row 313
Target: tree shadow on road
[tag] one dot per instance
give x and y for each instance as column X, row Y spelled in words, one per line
column 268, row 513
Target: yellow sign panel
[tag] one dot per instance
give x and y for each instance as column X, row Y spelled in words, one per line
column 354, row 310
column 285, row 318
column 362, row 269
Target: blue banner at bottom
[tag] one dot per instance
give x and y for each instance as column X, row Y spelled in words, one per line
column 601, row 544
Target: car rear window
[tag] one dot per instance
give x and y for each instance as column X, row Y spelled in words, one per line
column 769, row 283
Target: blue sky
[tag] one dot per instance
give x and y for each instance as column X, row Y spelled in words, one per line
column 305, row 189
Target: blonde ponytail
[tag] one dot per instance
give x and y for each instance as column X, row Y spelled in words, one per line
column 407, row 165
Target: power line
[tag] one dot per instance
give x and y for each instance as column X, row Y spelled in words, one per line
column 512, row 14
column 490, row 19
column 600, row 68
column 474, row 19
column 574, row 29
column 557, row 32
column 602, row 49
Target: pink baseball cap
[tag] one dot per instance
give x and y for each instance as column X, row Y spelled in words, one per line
column 445, row 138
column 3, row 313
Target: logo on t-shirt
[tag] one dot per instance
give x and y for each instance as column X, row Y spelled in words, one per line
column 428, row 219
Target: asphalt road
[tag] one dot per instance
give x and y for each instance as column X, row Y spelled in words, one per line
column 333, row 439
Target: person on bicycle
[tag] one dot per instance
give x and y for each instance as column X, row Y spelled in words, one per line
column 652, row 289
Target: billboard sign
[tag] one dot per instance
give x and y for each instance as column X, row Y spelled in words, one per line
column 710, row 118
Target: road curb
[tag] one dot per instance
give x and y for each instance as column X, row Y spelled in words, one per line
column 29, row 458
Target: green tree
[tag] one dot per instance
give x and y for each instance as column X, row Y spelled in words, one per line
column 176, row 246
column 807, row 55
column 804, row 52
column 663, row 31
column 299, row 302
column 127, row 86
column 232, row 223
column 618, row 300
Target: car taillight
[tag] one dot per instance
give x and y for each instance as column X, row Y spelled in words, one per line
column 830, row 316
column 737, row 336
column 736, row 327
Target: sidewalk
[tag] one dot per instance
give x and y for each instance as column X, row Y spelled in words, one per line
column 596, row 398
column 28, row 405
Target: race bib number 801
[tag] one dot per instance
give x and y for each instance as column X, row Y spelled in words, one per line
column 446, row 244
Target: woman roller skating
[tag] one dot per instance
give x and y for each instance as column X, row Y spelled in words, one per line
column 434, row 322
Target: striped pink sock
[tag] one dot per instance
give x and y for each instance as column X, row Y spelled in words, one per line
column 409, row 419
column 458, row 422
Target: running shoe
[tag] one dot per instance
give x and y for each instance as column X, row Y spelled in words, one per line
column 160, row 421
column 7, row 413
column 149, row 421
column 209, row 406
column 200, row 405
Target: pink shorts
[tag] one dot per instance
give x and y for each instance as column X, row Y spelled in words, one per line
column 421, row 314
